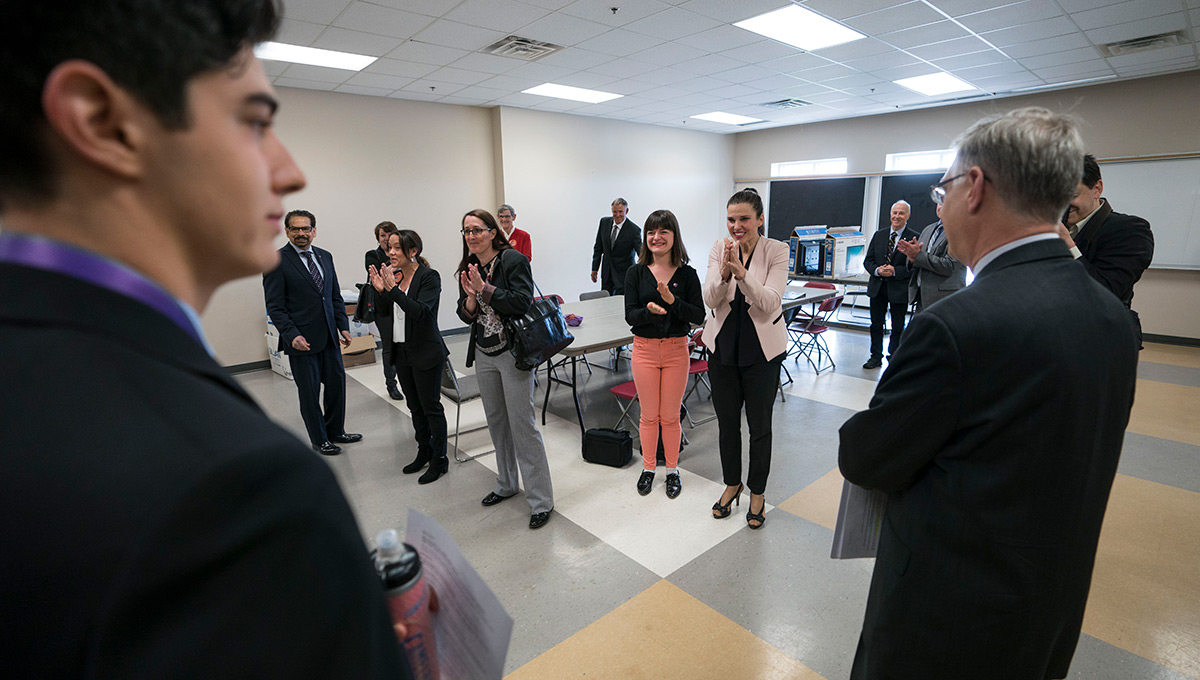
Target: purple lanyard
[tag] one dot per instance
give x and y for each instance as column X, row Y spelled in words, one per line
column 54, row 256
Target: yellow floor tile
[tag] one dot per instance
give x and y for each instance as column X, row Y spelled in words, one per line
column 818, row 502
column 1145, row 595
column 832, row 388
column 1166, row 411
column 664, row 633
column 1171, row 354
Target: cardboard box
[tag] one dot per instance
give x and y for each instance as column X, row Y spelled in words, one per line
column 845, row 249
column 361, row 351
column 802, row 234
column 279, row 360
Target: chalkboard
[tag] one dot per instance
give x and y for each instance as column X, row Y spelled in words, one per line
column 1167, row 194
column 836, row 202
column 915, row 190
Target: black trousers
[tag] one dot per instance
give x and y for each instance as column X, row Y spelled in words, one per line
column 422, row 387
column 879, row 309
column 754, row 387
column 311, row 371
column 385, row 340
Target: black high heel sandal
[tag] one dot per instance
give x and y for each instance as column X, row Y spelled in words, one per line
column 722, row 511
column 752, row 516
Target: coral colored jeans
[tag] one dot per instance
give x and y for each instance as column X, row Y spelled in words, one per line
column 660, row 371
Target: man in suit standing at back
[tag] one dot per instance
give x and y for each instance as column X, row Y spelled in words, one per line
column 888, row 286
column 306, row 306
column 997, row 428
column 617, row 243
column 935, row 272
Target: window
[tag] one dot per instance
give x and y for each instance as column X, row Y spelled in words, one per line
column 823, row 166
column 938, row 159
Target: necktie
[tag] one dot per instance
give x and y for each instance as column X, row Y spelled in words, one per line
column 314, row 272
column 891, row 246
column 613, row 237
column 1074, row 230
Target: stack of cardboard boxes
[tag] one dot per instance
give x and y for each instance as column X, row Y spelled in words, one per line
column 835, row 252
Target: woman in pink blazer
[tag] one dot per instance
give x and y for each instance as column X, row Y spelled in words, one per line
column 747, row 275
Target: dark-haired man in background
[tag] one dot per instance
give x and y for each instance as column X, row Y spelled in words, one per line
column 1114, row 248
column 156, row 523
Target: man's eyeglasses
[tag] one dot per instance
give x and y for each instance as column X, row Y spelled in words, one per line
column 302, row 230
column 474, row 232
column 938, row 191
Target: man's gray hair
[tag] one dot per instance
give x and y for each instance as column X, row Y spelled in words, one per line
column 507, row 207
column 620, row 201
column 1032, row 156
column 906, row 204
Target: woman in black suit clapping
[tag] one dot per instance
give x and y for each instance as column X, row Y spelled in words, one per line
column 413, row 290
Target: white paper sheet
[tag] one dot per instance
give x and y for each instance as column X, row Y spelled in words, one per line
column 860, row 517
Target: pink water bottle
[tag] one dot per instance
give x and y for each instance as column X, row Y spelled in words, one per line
column 408, row 595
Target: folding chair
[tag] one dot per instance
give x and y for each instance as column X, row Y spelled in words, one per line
column 800, row 314
column 698, row 372
column 807, row 335
column 591, row 295
column 627, row 390
column 460, row 392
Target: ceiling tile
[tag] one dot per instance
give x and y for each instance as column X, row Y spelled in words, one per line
column 1139, row 29
column 949, row 48
column 666, row 93
column 415, row 96
column 1085, row 67
column 316, row 11
column 794, row 62
column 969, row 60
column 1123, row 12
column 619, row 43
column 1164, row 54
column 923, row 35
column 855, row 50
column 426, row 53
column 702, row 84
column 872, row 90
column 763, row 50
column 576, row 57
column 430, row 8
column 586, row 79
column 628, row 87
column 824, row 73
column 436, row 87
column 1157, row 67
column 694, row 99
column 1046, row 28
column 369, row 91
column 562, row 29
column 449, row 74
column 774, row 82
column 1072, row 6
column 747, row 72
column 363, row 16
column 542, row 72
column 298, row 32
column 709, row 63
column 456, row 100
column 731, row 12
column 600, row 10
column 486, row 94
column 1011, row 15
column 305, row 84
column 500, row 15
column 671, row 24
column 804, row 90
column 734, row 91
column 879, row 61
column 720, row 38
column 668, row 54
column 548, row 4
column 379, row 80
column 1060, row 58
column 895, row 18
column 1062, row 43
column 507, row 82
column 460, row 36
column 1078, row 78
column 623, row 68
column 1000, row 69
column 907, row 71
column 664, row 76
column 318, row 73
column 844, row 9
column 274, row 68
column 487, row 63
column 395, row 67
column 1007, row 82
column 356, row 42
column 957, row 8
column 850, row 82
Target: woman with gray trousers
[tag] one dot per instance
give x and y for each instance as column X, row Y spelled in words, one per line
column 495, row 282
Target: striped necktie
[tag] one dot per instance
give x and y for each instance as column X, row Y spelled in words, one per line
column 313, row 271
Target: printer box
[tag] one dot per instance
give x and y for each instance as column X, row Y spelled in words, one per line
column 361, row 351
column 845, row 249
column 279, row 361
column 800, row 256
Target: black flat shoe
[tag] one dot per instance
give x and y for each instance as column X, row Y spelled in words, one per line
column 538, row 519
column 674, row 485
column 327, row 449
column 493, row 498
column 752, row 516
column 394, row 393
column 346, row 438
column 873, row 362
column 722, row 511
column 418, row 463
column 645, row 482
column 433, row 473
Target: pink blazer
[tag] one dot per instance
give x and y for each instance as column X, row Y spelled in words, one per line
column 763, row 287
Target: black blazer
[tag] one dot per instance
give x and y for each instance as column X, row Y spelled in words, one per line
column 996, row 431
column 296, row 306
column 422, row 339
column 614, row 261
column 169, row 516
column 512, row 296
column 1116, row 249
column 877, row 256
column 378, row 258
column 641, row 288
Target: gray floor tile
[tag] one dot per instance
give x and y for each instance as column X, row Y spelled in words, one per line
column 1161, row 460
column 1098, row 660
column 1168, row 373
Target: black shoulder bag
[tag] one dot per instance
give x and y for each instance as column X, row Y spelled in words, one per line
column 538, row 334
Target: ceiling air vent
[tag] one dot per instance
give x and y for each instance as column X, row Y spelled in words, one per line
column 517, row 47
column 1144, row 44
column 788, row 103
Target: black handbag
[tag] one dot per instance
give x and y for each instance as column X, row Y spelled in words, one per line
column 538, row 334
column 607, row 446
column 364, row 311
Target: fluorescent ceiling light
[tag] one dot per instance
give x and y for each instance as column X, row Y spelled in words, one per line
column 727, row 118
column 576, row 94
column 312, row 56
column 935, row 84
column 801, row 28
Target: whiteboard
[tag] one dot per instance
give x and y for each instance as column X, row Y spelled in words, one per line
column 1167, row 194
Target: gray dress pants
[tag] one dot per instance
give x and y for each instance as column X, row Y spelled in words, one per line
column 508, row 403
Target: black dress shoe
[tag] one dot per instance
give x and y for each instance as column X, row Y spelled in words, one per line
column 394, row 393
column 493, row 498
column 645, row 482
column 418, row 463
column 873, row 362
column 538, row 519
column 674, row 485
column 346, row 438
column 435, row 470
column 327, row 449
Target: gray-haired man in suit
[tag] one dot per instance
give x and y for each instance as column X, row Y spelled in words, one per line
column 935, row 272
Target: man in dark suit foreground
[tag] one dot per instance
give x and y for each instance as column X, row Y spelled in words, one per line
column 156, row 523
column 887, row 288
column 996, row 429
column 306, row 306
column 616, row 248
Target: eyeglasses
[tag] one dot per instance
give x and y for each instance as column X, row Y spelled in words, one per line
column 938, row 191
column 474, row 232
column 304, row 230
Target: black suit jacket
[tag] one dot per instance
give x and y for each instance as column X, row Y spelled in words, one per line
column 296, row 306
column 1116, row 249
column 996, row 431
column 513, row 295
column 422, row 339
column 877, row 256
column 156, row 523
column 614, row 260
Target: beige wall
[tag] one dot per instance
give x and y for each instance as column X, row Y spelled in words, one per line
column 1130, row 118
